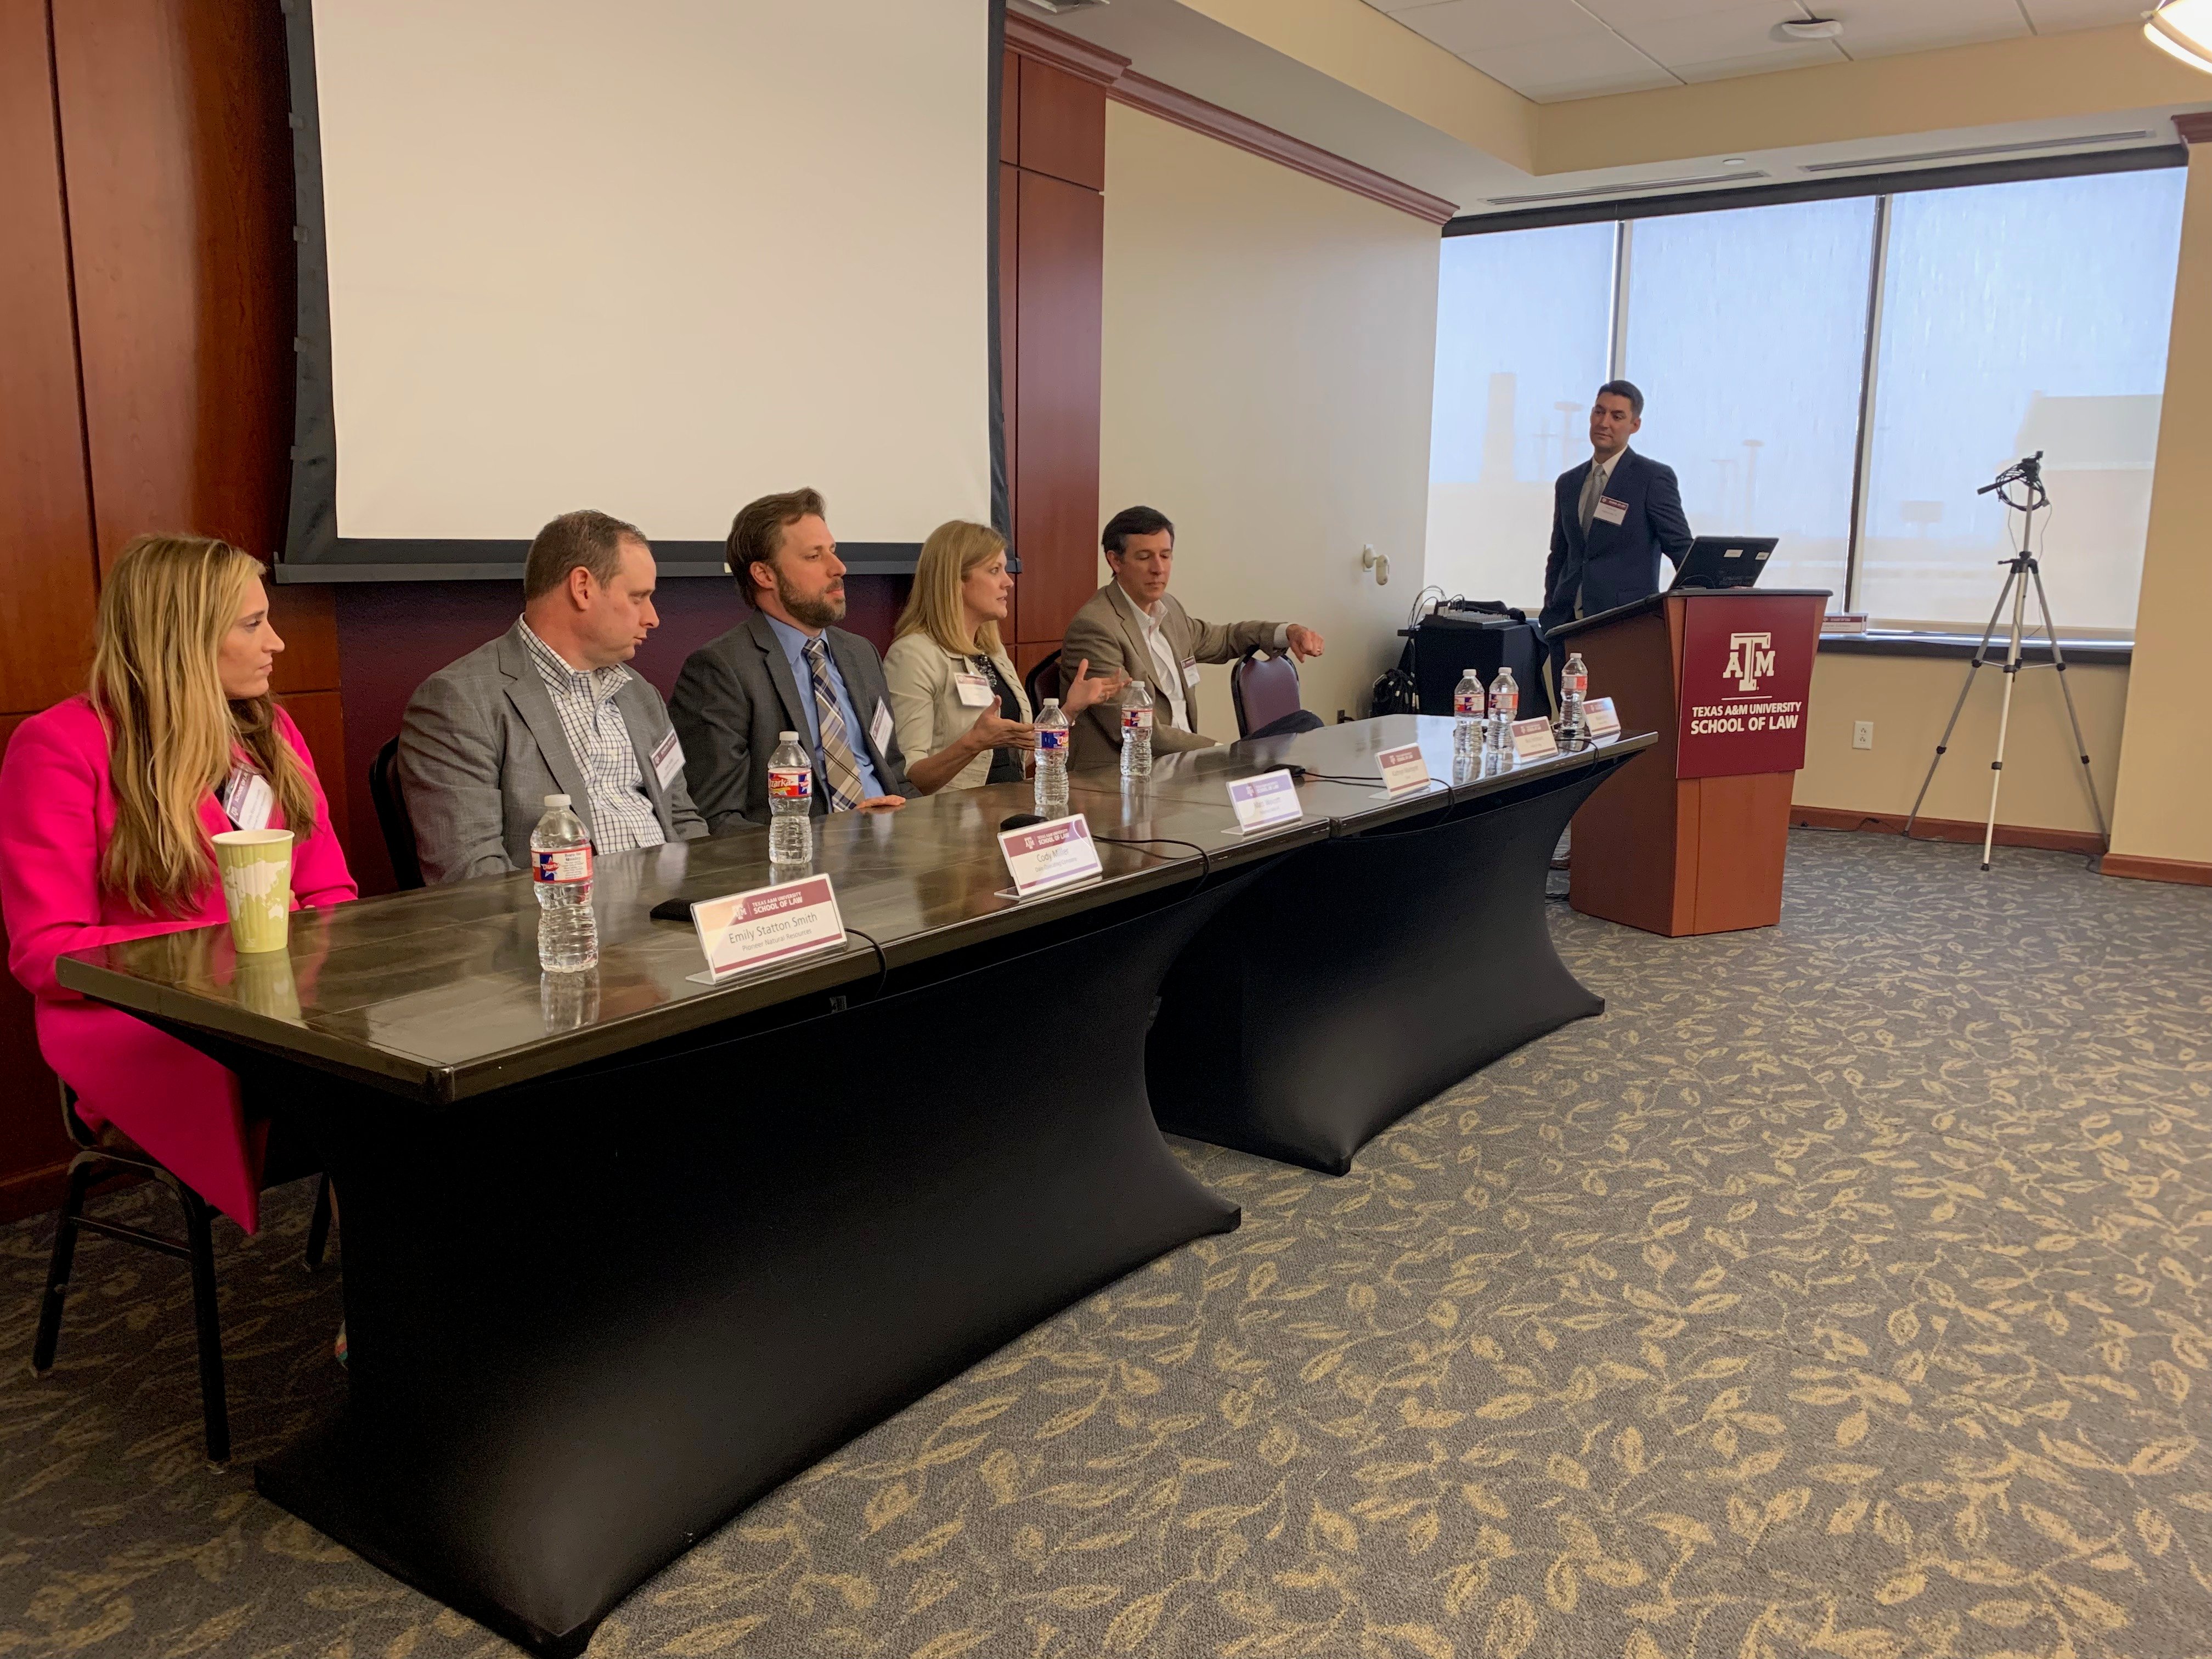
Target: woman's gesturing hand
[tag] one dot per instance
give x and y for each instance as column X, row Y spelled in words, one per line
column 992, row 731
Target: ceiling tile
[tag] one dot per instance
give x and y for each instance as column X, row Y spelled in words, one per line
column 2057, row 16
column 1465, row 26
column 1802, row 55
column 1737, row 31
column 1548, row 71
column 1627, row 15
column 1873, row 28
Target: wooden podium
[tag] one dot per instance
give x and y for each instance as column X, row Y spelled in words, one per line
column 1689, row 836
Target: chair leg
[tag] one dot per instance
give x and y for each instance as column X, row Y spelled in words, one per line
column 319, row 1225
column 64, row 1259
column 199, row 1233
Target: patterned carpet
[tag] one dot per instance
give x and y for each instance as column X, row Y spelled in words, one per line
column 1842, row 1293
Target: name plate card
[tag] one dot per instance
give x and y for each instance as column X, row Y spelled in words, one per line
column 1604, row 722
column 766, row 926
column 1042, row 857
column 1532, row 740
column 1263, row 802
column 1403, row 769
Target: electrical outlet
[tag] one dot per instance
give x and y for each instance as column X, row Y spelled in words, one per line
column 1861, row 734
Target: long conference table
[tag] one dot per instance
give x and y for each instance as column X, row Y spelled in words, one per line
column 624, row 1250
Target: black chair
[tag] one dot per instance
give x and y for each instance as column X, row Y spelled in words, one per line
column 1041, row 681
column 1265, row 689
column 391, row 817
column 196, row 1249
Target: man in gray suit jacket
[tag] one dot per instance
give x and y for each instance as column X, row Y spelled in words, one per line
column 548, row 708
column 787, row 669
column 1134, row 626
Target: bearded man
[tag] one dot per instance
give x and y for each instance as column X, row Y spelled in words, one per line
column 787, row 668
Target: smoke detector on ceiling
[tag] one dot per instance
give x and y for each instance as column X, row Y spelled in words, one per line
column 1814, row 28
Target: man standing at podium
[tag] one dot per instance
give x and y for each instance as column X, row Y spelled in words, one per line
column 1612, row 517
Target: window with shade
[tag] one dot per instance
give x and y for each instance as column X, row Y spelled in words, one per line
column 2006, row 318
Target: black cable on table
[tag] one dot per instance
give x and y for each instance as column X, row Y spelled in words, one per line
column 1140, row 842
column 883, row 961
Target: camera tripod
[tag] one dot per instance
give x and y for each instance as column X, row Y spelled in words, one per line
column 2021, row 570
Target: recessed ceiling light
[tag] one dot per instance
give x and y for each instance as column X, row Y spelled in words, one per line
column 1732, row 161
column 1815, row 28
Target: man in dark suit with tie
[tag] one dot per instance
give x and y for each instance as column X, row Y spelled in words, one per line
column 1612, row 517
column 789, row 668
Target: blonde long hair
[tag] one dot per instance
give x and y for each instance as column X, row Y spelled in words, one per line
column 933, row 606
column 171, row 735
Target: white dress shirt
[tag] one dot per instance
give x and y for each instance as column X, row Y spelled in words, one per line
column 1167, row 672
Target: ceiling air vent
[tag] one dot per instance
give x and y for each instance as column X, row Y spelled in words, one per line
column 1633, row 188
column 1975, row 153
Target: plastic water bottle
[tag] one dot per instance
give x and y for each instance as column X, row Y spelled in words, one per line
column 790, row 803
column 1504, row 709
column 1052, row 761
column 570, row 1001
column 1574, row 683
column 1467, row 715
column 1137, row 730
column 561, row 870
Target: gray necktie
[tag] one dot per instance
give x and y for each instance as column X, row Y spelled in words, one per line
column 1591, row 486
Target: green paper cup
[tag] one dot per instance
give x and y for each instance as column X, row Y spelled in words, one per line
column 257, row 886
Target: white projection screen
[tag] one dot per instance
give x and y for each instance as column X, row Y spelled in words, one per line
column 657, row 258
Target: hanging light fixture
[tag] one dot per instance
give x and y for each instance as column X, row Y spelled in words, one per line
column 2182, row 29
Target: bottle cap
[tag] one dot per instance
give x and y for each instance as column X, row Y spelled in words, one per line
column 556, row 800
column 787, row 737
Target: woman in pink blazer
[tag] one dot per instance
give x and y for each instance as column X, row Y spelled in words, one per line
column 106, row 804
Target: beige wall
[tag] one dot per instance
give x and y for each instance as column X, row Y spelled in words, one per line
column 2166, row 770
column 1269, row 343
column 2035, row 77
column 1909, row 698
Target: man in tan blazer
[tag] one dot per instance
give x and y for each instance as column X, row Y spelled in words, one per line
column 1132, row 626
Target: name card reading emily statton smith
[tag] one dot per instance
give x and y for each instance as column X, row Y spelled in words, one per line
column 766, row 926
column 1043, row 856
column 1262, row 802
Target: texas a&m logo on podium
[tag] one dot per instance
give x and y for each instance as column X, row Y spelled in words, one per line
column 1747, row 671
column 1750, row 656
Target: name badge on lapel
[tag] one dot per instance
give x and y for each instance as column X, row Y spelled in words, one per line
column 1190, row 671
column 1608, row 511
column 667, row 758
column 879, row 728
column 975, row 690
column 247, row 799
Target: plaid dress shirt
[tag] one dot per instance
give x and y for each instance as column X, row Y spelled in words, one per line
column 622, row 813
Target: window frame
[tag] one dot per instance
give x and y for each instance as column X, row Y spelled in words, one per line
column 1883, row 187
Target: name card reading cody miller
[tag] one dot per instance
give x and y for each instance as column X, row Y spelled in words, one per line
column 766, row 925
column 1041, row 857
column 1262, row 802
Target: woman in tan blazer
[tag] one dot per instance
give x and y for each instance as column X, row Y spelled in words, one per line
column 961, row 716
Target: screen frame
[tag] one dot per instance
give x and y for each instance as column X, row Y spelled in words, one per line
column 315, row 552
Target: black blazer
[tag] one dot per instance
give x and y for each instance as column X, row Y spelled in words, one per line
column 1619, row 564
column 737, row 691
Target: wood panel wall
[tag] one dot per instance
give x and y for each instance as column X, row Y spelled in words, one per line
column 146, row 302
column 1052, row 228
column 146, row 320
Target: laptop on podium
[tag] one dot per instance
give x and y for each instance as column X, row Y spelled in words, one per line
column 1719, row 562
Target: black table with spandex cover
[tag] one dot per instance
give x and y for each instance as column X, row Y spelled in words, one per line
column 623, row 1250
column 1354, row 979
